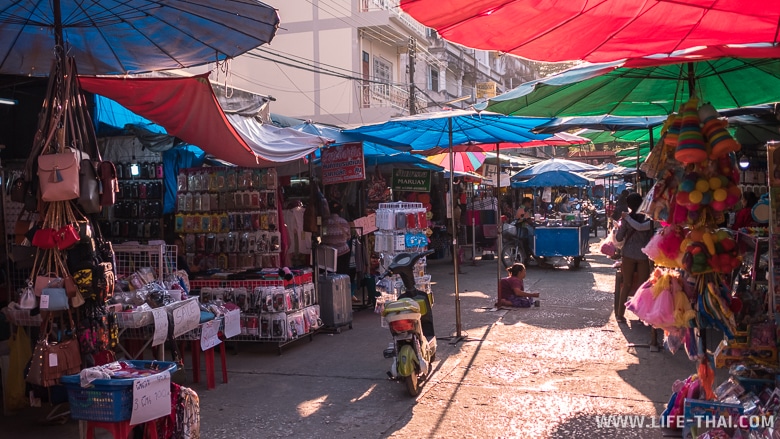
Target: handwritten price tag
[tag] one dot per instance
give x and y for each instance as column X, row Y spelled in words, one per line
column 151, row 398
column 44, row 302
column 209, row 335
column 160, row 326
column 186, row 317
column 232, row 323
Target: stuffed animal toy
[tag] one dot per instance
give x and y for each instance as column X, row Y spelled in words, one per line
column 714, row 129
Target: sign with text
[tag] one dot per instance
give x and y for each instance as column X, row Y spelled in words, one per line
column 232, row 323
column 490, row 174
column 209, row 335
column 160, row 326
column 367, row 223
column 411, row 180
column 151, row 398
column 343, row 163
column 186, row 317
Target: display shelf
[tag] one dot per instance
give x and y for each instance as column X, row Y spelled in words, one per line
column 229, row 218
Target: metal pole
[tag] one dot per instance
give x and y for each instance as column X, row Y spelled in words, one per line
column 454, row 237
column 500, row 224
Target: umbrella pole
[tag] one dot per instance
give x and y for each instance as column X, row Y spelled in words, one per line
column 458, row 336
column 500, row 225
column 58, row 38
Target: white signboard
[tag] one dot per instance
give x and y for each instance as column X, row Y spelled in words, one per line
column 151, row 398
column 186, row 317
column 232, row 323
column 160, row 326
column 209, row 335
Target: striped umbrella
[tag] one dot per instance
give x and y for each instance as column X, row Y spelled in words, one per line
column 463, row 161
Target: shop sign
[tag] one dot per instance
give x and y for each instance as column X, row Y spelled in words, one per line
column 411, row 180
column 490, row 174
column 343, row 163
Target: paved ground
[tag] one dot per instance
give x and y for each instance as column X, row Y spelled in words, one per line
column 546, row 372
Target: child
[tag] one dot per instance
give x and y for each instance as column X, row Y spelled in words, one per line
column 511, row 291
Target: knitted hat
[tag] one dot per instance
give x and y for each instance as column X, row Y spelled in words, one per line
column 690, row 146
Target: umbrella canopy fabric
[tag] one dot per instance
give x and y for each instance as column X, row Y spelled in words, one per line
column 618, row 90
column 553, row 179
column 428, row 130
column 606, row 30
column 605, row 122
column 116, row 37
column 554, row 165
column 373, row 153
column 464, row 161
column 188, row 109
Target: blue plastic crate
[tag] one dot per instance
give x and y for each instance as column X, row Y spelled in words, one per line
column 106, row 400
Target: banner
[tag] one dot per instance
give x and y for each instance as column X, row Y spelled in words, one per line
column 411, row 180
column 343, row 163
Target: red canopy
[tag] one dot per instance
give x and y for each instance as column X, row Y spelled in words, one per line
column 597, row 31
column 186, row 107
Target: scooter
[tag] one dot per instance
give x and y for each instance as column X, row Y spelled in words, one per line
column 410, row 319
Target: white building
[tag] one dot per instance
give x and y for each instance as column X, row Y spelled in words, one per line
column 346, row 62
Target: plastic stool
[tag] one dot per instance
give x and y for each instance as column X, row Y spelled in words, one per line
column 209, row 357
column 120, row 430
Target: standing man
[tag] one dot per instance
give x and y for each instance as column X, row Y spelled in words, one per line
column 524, row 221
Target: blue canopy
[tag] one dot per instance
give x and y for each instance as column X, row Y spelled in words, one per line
column 553, row 179
column 374, row 154
column 429, row 130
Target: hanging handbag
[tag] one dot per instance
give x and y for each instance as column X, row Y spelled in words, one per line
column 89, row 186
column 67, row 236
column 54, row 299
column 52, row 360
column 28, row 299
column 22, row 225
column 108, row 182
column 23, row 255
column 45, row 281
column 45, row 238
column 19, row 190
column 58, row 175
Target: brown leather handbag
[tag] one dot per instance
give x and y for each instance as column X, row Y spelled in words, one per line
column 53, row 360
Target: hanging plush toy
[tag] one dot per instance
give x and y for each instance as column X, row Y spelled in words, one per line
column 690, row 146
column 714, row 129
column 673, row 133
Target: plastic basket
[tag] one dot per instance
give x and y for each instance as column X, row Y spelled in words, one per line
column 105, row 400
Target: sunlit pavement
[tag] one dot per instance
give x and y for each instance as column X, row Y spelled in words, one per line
column 548, row 372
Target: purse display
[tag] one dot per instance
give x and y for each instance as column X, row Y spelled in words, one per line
column 45, row 238
column 89, row 186
column 67, row 236
column 28, row 299
column 19, row 190
column 53, row 359
column 58, row 175
column 54, row 299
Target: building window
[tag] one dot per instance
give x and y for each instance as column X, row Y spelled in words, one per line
column 433, row 79
column 383, row 74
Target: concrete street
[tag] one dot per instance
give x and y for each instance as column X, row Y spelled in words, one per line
column 547, row 372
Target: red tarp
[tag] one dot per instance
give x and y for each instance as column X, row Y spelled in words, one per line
column 186, row 107
column 597, row 31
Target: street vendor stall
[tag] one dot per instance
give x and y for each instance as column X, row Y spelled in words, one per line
column 559, row 235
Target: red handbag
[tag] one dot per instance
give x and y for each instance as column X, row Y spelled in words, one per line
column 45, row 238
column 67, row 237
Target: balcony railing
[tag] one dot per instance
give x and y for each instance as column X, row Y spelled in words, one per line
column 386, row 95
column 393, row 7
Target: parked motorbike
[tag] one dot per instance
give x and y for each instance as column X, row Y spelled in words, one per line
column 410, row 319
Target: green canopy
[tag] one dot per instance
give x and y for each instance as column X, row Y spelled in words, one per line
column 648, row 91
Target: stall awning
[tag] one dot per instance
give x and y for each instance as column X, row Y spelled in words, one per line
column 188, row 109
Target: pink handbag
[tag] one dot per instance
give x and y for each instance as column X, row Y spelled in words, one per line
column 59, row 175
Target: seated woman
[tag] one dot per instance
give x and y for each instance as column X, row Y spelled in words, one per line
column 512, row 292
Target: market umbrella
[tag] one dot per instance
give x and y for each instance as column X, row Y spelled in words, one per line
column 557, row 139
column 606, row 30
column 463, row 161
column 117, row 37
column 449, row 128
column 554, row 165
column 618, row 89
column 553, row 179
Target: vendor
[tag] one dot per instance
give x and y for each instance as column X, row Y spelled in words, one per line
column 562, row 201
column 512, row 292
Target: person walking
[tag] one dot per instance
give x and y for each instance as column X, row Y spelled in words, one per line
column 635, row 232
column 336, row 233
